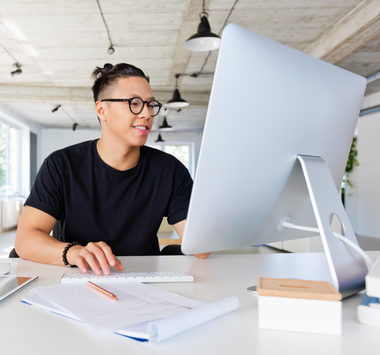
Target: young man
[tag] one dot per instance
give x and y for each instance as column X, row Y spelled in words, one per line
column 111, row 194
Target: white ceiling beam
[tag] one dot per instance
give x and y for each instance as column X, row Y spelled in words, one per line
column 357, row 28
column 371, row 101
column 72, row 95
column 55, row 95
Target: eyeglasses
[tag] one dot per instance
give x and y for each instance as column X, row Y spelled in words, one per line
column 136, row 105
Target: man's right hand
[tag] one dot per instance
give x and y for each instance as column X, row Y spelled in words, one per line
column 98, row 256
column 34, row 243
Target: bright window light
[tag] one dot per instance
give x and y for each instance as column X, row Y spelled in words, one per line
column 9, row 159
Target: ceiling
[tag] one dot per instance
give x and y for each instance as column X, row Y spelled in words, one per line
column 60, row 42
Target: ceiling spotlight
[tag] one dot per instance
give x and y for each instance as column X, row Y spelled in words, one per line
column 55, row 109
column 165, row 126
column 18, row 70
column 111, row 50
column 204, row 39
column 159, row 139
column 75, row 125
column 176, row 102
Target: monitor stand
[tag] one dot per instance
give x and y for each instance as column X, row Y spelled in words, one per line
column 347, row 266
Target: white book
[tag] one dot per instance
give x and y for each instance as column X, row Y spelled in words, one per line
column 372, row 280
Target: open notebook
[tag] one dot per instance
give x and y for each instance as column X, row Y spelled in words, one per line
column 142, row 312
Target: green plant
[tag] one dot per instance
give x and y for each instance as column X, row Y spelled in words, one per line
column 351, row 163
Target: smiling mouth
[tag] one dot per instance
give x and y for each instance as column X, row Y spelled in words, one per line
column 142, row 128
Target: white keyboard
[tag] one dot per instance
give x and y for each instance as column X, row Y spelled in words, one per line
column 128, row 277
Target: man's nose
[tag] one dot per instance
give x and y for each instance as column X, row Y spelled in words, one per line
column 145, row 113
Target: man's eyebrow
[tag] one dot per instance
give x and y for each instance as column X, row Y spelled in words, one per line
column 149, row 98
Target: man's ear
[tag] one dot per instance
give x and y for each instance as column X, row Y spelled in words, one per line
column 100, row 108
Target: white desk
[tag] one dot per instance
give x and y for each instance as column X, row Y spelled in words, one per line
column 28, row 330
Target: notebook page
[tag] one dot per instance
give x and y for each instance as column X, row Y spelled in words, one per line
column 137, row 303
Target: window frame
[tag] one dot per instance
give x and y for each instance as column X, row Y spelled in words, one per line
column 8, row 192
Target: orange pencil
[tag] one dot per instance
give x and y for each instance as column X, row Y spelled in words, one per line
column 102, row 290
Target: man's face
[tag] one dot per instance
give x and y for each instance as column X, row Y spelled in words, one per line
column 120, row 122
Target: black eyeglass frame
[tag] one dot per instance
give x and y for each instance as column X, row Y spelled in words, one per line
column 142, row 108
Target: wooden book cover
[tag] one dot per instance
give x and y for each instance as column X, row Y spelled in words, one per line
column 290, row 288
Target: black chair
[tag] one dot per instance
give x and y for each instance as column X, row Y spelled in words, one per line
column 172, row 249
column 13, row 254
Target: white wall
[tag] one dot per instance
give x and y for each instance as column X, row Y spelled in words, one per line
column 363, row 200
column 54, row 139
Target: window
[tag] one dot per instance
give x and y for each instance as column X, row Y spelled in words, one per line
column 9, row 159
column 182, row 151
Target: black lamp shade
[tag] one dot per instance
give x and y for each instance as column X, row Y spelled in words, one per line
column 159, row 139
column 176, row 101
column 165, row 126
column 204, row 39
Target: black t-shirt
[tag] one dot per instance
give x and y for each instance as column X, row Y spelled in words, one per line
column 95, row 202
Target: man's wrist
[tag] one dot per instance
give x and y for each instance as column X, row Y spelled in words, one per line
column 71, row 254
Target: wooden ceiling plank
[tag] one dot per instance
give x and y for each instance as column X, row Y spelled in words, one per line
column 357, row 28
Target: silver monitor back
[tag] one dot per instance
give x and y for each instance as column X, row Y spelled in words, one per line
column 269, row 103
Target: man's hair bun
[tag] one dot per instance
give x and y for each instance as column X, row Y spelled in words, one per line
column 107, row 67
column 98, row 72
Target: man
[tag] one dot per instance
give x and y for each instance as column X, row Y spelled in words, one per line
column 111, row 194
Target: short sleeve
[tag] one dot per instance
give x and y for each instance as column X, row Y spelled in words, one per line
column 180, row 198
column 47, row 191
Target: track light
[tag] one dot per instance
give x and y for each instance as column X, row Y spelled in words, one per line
column 18, row 70
column 159, row 139
column 55, row 109
column 75, row 125
column 176, row 102
column 204, row 39
column 111, row 50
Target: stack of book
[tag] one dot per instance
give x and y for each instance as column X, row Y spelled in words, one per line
column 369, row 308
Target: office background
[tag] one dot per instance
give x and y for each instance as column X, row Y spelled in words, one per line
column 57, row 44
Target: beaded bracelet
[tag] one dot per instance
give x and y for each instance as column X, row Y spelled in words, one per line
column 64, row 254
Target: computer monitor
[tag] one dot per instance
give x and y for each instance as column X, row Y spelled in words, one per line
column 277, row 135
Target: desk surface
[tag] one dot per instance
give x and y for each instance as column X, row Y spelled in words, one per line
column 27, row 330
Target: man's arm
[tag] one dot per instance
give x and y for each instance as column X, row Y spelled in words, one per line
column 180, row 228
column 33, row 242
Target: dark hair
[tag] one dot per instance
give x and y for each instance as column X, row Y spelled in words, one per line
column 109, row 74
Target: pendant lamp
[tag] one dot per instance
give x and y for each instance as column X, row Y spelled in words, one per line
column 204, row 39
column 165, row 126
column 176, row 102
column 159, row 139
